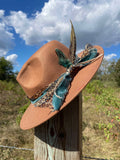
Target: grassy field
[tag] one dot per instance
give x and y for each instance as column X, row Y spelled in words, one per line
column 101, row 121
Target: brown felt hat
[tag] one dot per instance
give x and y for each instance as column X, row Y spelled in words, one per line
column 42, row 69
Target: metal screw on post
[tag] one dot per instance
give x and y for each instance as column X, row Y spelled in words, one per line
column 60, row 138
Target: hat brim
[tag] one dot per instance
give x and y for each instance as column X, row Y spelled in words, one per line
column 35, row 116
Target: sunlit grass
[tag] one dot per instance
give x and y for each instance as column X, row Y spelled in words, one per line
column 101, row 121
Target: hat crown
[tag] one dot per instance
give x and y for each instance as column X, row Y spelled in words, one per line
column 42, row 68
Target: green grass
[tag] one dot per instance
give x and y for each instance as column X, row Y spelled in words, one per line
column 12, row 99
column 101, row 121
column 101, row 114
column 108, row 105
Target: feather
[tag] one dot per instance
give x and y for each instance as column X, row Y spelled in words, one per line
column 88, row 46
column 63, row 60
column 72, row 48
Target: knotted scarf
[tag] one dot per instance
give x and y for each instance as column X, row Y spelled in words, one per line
column 56, row 92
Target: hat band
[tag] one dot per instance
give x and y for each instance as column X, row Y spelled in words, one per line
column 54, row 96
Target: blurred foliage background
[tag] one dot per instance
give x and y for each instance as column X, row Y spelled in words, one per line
column 101, row 114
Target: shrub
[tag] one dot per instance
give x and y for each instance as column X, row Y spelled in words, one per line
column 117, row 72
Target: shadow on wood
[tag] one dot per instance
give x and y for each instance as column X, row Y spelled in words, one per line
column 60, row 136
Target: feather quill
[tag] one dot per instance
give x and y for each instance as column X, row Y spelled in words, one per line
column 72, row 48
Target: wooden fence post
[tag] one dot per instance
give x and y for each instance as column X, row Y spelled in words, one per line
column 60, row 138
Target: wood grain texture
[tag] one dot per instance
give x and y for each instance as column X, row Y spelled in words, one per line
column 60, row 137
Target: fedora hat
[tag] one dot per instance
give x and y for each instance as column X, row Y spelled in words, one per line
column 53, row 76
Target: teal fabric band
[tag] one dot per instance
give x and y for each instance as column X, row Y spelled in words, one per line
column 44, row 92
column 92, row 54
column 61, row 91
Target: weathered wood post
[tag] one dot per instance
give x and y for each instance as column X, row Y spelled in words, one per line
column 60, row 138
